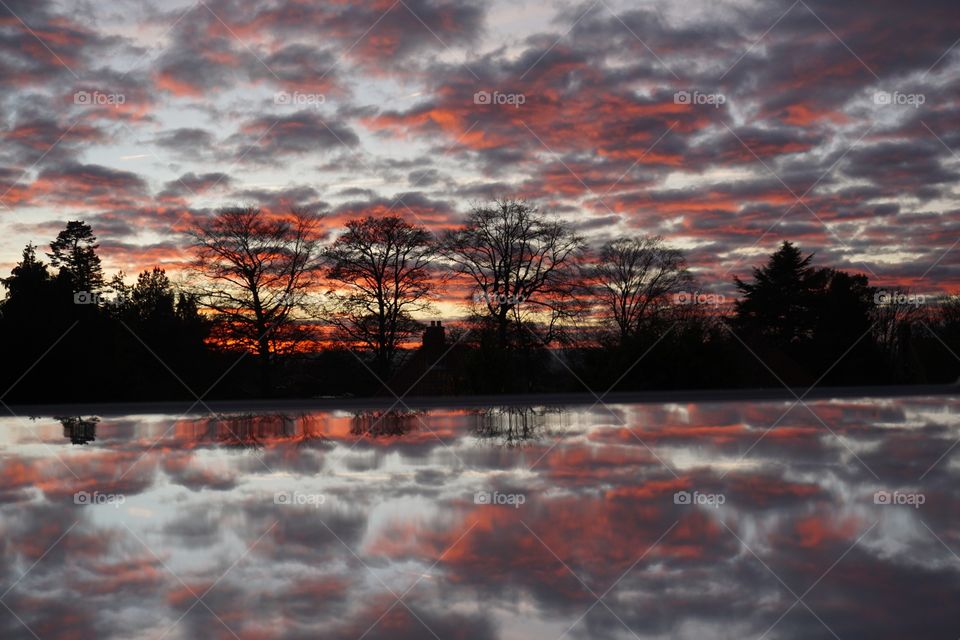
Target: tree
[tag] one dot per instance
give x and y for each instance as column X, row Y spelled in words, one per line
column 257, row 270
column 381, row 267
column 633, row 278
column 778, row 303
column 74, row 252
column 152, row 297
column 519, row 262
column 808, row 322
column 29, row 278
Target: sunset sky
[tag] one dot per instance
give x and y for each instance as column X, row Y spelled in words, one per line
column 724, row 126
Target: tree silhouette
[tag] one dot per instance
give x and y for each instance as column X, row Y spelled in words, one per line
column 382, row 268
column 778, row 303
column 29, row 281
column 633, row 279
column 520, row 263
column 256, row 270
column 74, row 252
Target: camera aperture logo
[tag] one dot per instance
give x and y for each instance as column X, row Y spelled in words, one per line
column 899, row 498
column 701, row 499
column 297, row 499
column 700, row 298
column 887, row 98
column 888, row 298
column 498, row 297
column 87, row 498
column 514, row 100
column 87, row 297
column 99, row 99
column 697, row 98
column 501, row 499
column 298, row 99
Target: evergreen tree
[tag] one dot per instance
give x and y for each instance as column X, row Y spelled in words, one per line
column 29, row 278
column 74, row 252
column 778, row 304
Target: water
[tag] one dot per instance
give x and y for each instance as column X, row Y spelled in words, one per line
column 639, row 521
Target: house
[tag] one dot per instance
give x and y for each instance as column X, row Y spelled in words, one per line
column 435, row 368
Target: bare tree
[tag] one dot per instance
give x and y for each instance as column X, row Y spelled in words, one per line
column 633, row 279
column 519, row 262
column 256, row 270
column 381, row 268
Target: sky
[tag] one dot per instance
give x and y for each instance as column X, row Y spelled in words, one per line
column 725, row 127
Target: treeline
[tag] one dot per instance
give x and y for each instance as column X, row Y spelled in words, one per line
column 272, row 305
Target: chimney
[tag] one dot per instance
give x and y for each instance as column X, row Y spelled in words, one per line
column 434, row 338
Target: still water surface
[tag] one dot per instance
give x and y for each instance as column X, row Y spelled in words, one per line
column 838, row 519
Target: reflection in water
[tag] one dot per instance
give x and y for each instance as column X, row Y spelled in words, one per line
column 79, row 430
column 380, row 424
column 641, row 521
column 516, row 426
column 254, row 432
